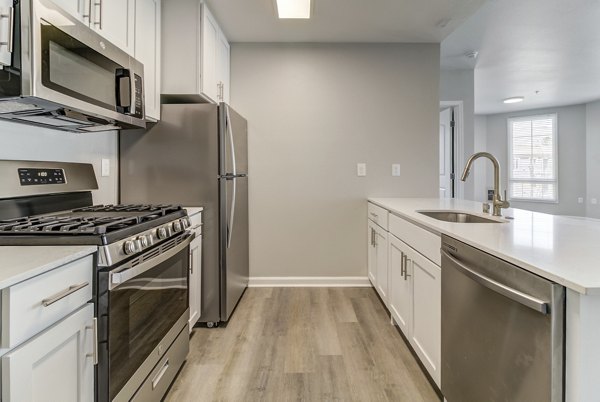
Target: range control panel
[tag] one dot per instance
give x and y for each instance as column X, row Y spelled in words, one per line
column 33, row 177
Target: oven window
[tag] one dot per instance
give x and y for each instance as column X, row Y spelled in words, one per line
column 72, row 68
column 142, row 311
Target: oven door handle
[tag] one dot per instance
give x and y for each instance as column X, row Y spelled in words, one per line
column 117, row 278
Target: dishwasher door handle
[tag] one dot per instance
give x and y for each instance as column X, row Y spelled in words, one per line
column 513, row 294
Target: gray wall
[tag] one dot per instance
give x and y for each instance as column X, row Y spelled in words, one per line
column 24, row 142
column 571, row 157
column 314, row 111
column 593, row 158
column 459, row 85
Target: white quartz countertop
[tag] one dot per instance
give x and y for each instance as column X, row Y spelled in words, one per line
column 193, row 210
column 19, row 263
column 563, row 249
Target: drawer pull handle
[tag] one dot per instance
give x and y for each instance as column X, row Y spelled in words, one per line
column 61, row 295
column 374, row 215
column 160, row 374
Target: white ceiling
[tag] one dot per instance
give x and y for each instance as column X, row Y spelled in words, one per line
column 550, row 46
column 344, row 20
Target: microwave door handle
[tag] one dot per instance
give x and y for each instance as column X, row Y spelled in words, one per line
column 124, row 93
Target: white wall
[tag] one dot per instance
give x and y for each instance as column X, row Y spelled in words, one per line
column 571, row 157
column 459, row 85
column 479, row 170
column 593, row 158
column 314, row 111
column 25, row 142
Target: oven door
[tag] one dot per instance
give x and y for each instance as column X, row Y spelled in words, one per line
column 77, row 68
column 147, row 297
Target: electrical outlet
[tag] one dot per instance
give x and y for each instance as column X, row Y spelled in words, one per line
column 594, row 201
column 580, row 200
column 396, row 169
column 361, row 169
column 105, row 167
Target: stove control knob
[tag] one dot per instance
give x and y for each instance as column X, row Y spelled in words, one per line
column 161, row 233
column 129, row 247
column 144, row 241
column 177, row 226
column 186, row 222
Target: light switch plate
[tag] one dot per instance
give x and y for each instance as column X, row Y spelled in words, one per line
column 105, row 167
column 594, row 201
column 396, row 169
column 361, row 169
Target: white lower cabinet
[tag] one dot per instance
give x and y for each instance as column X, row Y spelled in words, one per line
column 378, row 260
column 56, row 365
column 409, row 283
column 400, row 285
column 426, row 331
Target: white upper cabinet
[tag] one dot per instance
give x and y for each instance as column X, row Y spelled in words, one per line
column 79, row 9
column 147, row 51
column 195, row 56
column 115, row 20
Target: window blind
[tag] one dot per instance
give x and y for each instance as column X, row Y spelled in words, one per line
column 532, row 158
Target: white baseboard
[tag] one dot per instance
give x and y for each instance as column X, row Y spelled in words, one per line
column 309, row 281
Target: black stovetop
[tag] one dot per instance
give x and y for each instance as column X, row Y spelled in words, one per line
column 98, row 224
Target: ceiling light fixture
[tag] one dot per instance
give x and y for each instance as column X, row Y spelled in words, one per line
column 293, row 9
column 515, row 99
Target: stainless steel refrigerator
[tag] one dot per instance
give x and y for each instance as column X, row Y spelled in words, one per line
column 197, row 156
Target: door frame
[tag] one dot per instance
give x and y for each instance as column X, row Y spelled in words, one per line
column 459, row 144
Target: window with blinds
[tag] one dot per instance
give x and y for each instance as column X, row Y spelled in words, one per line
column 532, row 157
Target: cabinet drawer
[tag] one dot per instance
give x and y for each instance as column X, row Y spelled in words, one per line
column 33, row 305
column 378, row 215
column 157, row 383
column 423, row 241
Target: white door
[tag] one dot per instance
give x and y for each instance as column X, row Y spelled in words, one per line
column 115, row 20
column 426, row 331
column 223, row 57
column 80, row 9
column 147, row 51
column 445, row 154
column 195, row 281
column 400, row 285
column 56, row 365
column 381, row 243
column 210, row 33
column 372, row 254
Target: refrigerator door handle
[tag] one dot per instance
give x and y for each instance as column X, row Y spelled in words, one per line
column 232, row 214
column 230, row 133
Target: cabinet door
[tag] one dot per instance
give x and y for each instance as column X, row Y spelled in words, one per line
column 223, row 57
column 372, row 254
column 56, row 365
column 79, row 9
column 381, row 242
column 400, row 285
column 195, row 281
column 147, row 51
column 426, row 315
column 210, row 34
column 115, row 20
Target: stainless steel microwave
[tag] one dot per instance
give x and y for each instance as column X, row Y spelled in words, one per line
column 57, row 72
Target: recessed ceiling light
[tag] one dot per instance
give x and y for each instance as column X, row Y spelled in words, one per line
column 296, row 9
column 515, row 99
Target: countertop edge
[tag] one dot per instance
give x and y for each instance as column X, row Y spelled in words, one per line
column 521, row 264
column 41, row 269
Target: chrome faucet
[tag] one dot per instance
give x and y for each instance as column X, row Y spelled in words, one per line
column 497, row 202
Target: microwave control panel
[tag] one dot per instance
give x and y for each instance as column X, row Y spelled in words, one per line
column 33, row 177
column 139, row 97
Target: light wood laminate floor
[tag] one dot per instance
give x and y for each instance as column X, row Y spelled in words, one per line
column 302, row 344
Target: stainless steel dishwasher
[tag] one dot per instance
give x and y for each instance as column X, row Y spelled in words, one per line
column 502, row 330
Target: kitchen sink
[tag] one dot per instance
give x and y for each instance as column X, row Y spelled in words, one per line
column 458, row 217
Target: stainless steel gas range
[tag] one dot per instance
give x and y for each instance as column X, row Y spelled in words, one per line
column 141, row 283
